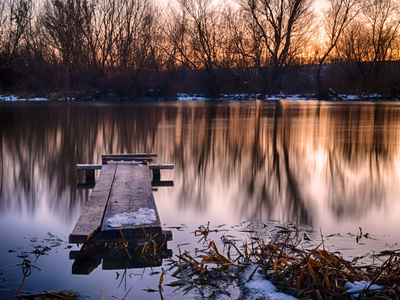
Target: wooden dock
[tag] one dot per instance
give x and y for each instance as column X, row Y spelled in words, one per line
column 121, row 205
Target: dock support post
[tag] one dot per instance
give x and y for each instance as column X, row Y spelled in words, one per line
column 89, row 176
column 156, row 175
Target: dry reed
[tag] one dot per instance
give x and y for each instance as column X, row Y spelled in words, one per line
column 304, row 273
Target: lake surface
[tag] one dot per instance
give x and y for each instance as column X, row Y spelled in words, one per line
column 331, row 166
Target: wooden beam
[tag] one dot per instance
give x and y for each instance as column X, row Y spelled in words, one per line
column 133, row 155
column 161, row 166
column 85, row 186
column 124, row 157
column 92, row 215
column 162, row 183
column 88, row 166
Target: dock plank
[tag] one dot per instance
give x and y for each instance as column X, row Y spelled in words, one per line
column 131, row 192
column 92, row 215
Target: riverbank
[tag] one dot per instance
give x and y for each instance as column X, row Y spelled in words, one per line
column 327, row 95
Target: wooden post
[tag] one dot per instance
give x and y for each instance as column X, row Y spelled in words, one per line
column 156, row 175
column 89, row 176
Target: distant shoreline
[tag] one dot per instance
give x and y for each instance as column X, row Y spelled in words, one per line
column 327, row 95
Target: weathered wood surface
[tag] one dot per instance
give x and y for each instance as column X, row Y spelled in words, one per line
column 143, row 157
column 131, row 191
column 92, row 215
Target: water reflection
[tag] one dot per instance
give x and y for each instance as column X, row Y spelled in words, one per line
column 119, row 256
column 289, row 160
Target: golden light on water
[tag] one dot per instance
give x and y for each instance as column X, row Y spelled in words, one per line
column 335, row 166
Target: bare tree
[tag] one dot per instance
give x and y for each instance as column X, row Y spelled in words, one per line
column 243, row 48
column 67, row 26
column 3, row 19
column 196, row 40
column 278, row 30
column 14, row 24
column 121, row 38
column 15, row 18
column 337, row 17
column 369, row 42
column 383, row 20
column 131, row 39
column 104, row 33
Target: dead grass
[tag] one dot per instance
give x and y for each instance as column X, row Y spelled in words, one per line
column 64, row 295
column 304, row 273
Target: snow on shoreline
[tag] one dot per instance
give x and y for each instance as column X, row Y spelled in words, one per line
column 14, row 98
column 358, row 286
column 181, row 97
column 261, row 288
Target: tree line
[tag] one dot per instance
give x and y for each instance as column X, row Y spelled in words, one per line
column 144, row 47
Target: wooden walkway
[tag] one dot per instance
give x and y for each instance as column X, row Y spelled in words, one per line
column 121, row 205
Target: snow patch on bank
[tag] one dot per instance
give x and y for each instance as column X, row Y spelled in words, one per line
column 191, row 97
column 10, row 98
column 260, row 288
column 142, row 216
column 358, row 286
column 13, row 98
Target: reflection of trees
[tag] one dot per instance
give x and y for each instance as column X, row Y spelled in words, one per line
column 263, row 157
column 360, row 167
column 272, row 151
column 42, row 144
column 239, row 145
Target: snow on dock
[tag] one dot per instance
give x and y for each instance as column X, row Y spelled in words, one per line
column 131, row 205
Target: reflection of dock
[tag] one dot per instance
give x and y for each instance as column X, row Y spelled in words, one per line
column 122, row 203
column 119, row 224
column 147, row 252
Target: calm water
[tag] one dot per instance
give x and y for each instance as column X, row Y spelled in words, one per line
column 334, row 166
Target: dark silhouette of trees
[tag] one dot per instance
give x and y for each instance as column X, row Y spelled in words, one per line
column 197, row 40
column 67, row 26
column 15, row 18
column 138, row 47
column 337, row 17
column 278, row 32
column 370, row 41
